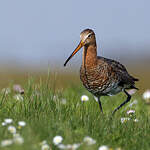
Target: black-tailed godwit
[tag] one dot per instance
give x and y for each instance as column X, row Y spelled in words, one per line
column 101, row 76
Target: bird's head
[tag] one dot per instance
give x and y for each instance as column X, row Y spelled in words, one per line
column 87, row 37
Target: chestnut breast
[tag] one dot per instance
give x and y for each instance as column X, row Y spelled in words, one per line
column 98, row 79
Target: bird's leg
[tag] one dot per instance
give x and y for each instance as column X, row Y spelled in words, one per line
column 100, row 105
column 127, row 100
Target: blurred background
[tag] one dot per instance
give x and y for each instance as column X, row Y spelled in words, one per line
column 37, row 36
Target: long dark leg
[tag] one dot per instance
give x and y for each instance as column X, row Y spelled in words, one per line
column 127, row 100
column 100, row 105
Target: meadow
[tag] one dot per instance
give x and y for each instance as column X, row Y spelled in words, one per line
column 53, row 116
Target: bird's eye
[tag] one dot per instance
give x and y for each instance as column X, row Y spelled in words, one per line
column 90, row 36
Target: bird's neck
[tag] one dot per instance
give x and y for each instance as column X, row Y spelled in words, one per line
column 89, row 57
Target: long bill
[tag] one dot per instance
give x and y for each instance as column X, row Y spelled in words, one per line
column 74, row 52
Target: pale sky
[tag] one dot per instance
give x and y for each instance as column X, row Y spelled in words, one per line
column 44, row 31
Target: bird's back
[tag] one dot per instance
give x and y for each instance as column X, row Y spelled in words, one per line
column 123, row 75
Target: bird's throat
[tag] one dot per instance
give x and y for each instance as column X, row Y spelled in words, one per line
column 89, row 57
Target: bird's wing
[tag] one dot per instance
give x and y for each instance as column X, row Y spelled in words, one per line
column 120, row 71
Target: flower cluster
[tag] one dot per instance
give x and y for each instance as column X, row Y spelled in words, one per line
column 16, row 137
column 57, row 141
column 131, row 116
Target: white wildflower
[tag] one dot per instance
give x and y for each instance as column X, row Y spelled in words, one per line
column 136, row 120
column 103, row 147
column 18, row 139
column 18, row 97
column 12, row 129
column 6, row 142
column 62, row 146
column 8, row 120
column 123, row 120
column 57, row 140
column 4, row 123
column 130, row 112
column 84, row 98
column 146, row 95
column 22, row 123
column 45, row 147
column 88, row 140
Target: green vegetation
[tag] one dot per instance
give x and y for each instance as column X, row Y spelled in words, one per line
column 47, row 114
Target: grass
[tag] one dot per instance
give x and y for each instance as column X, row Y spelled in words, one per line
column 46, row 116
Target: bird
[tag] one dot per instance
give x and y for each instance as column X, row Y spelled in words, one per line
column 102, row 76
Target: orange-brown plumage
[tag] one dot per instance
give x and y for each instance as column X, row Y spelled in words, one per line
column 101, row 76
